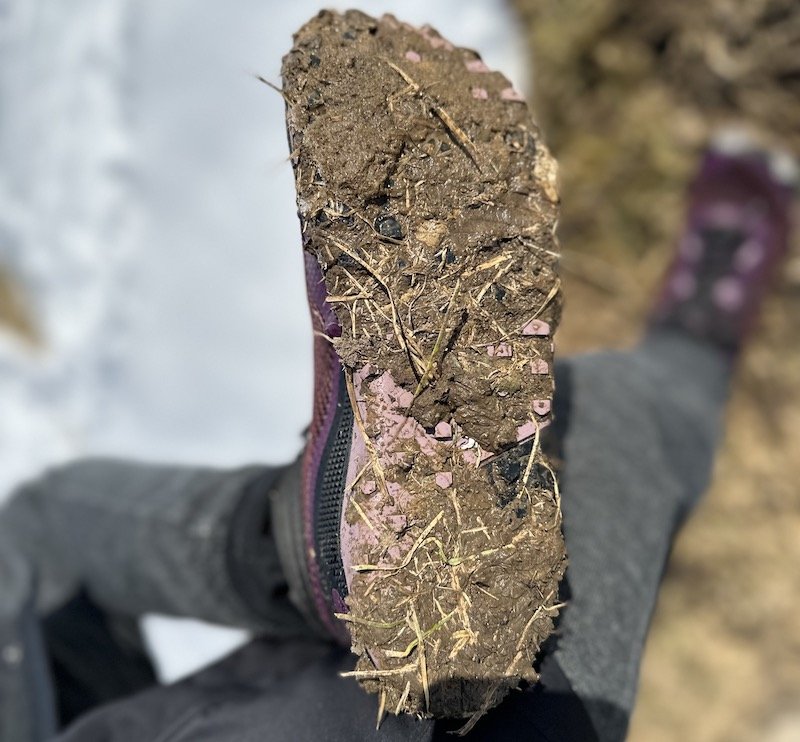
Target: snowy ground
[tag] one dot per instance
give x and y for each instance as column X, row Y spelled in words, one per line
column 147, row 209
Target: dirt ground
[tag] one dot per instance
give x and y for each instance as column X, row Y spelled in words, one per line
column 627, row 91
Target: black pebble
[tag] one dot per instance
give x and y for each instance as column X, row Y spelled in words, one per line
column 313, row 61
column 499, row 292
column 449, row 256
column 388, row 226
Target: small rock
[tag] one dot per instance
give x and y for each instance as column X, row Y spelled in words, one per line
column 388, row 226
column 314, row 100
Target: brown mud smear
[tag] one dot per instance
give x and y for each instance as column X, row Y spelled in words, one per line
column 429, row 200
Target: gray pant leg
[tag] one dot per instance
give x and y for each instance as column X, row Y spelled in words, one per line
column 641, row 429
column 27, row 708
column 165, row 539
column 137, row 538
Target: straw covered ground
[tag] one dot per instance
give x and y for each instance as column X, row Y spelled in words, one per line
column 627, row 92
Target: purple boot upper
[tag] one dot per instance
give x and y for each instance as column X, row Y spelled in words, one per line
column 736, row 234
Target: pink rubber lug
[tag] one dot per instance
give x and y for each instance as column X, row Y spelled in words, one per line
column 536, row 327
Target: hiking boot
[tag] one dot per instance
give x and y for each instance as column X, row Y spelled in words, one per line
column 736, row 234
column 431, row 539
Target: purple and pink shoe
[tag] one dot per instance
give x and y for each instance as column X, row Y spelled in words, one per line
column 737, row 233
column 431, row 535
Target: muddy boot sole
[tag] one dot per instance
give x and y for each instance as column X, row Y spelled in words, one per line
column 428, row 204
